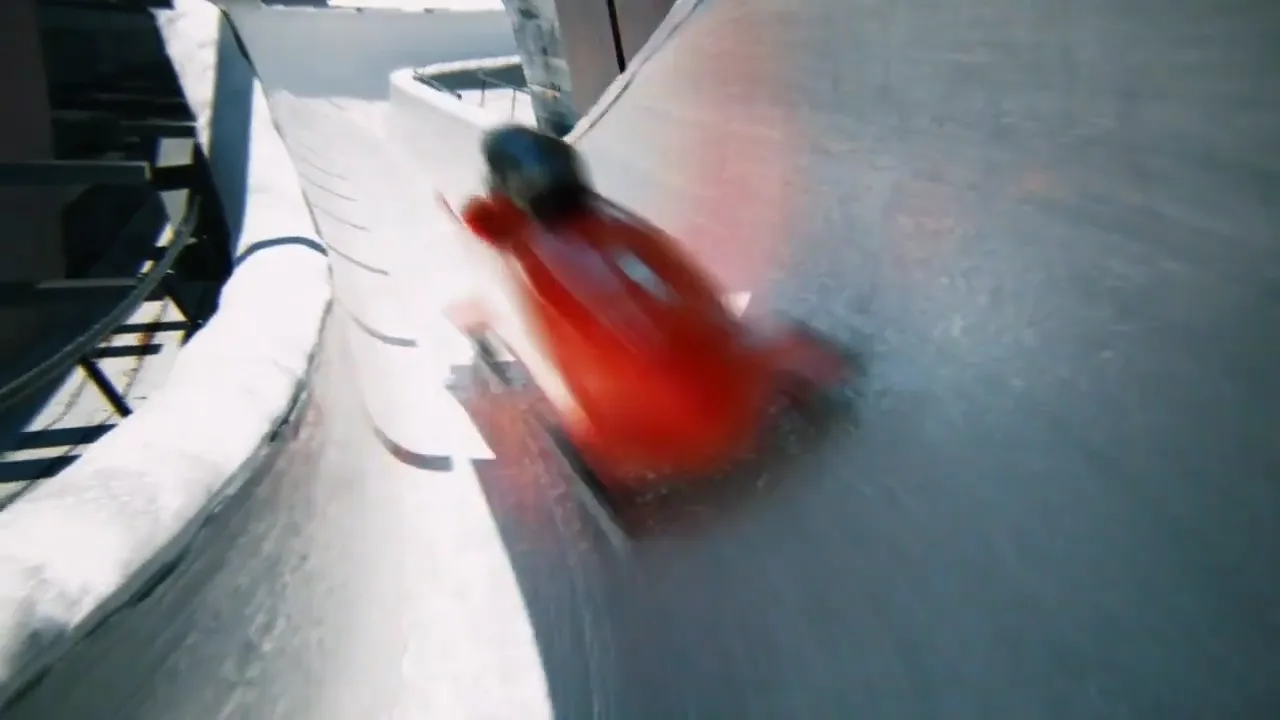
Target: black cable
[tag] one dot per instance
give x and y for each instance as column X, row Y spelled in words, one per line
column 617, row 36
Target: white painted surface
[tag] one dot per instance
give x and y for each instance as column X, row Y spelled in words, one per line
column 436, row 558
column 376, row 210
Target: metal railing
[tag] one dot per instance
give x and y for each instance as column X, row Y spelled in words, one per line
column 434, row 84
column 486, row 82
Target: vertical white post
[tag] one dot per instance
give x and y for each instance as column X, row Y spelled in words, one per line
column 537, row 30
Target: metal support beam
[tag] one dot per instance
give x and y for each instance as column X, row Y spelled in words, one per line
column 20, row 294
column 113, row 127
column 126, row 351
column 174, row 177
column 176, row 295
column 53, row 173
column 139, row 6
column 90, row 16
column 135, row 104
column 106, row 387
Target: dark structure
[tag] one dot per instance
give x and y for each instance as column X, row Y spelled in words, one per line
column 30, row 248
column 104, row 186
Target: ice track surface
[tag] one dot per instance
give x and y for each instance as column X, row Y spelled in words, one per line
column 1053, row 228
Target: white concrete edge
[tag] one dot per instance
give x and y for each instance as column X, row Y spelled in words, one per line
column 431, row 125
column 83, row 543
column 438, row 135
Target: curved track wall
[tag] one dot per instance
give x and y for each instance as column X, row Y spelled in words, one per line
column 1051, row 228
column 1053, row 232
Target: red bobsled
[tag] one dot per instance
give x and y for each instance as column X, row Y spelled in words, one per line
column 652, row 378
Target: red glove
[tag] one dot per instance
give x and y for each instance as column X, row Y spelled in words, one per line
column 497, row 221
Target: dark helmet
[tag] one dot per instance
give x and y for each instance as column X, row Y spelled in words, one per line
column 539, row 172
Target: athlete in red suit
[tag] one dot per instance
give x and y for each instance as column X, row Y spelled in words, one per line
column 650, row 374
